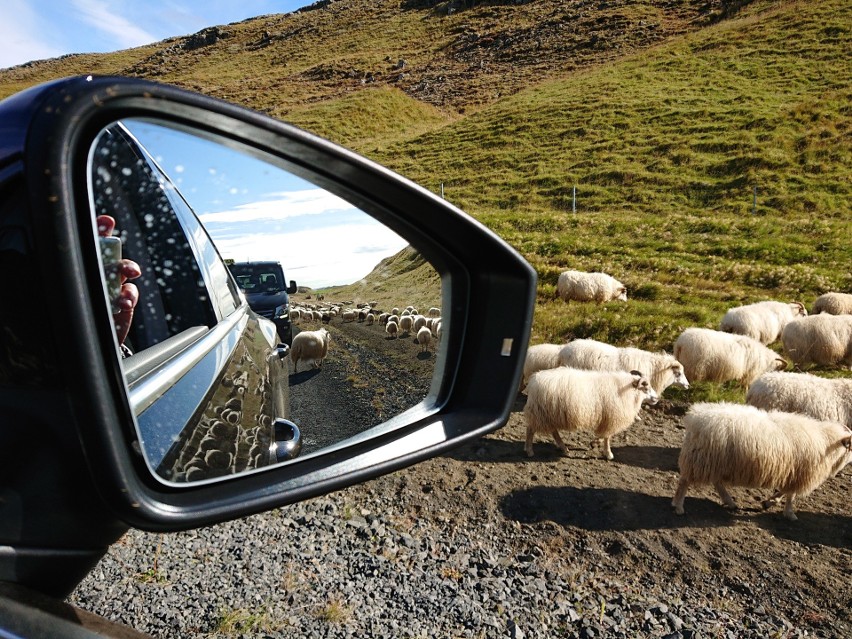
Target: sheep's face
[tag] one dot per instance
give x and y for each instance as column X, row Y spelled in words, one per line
column 622, row 294
column 679, row 376
column 642, row 384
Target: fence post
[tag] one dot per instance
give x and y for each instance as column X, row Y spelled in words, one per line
column 442, row 191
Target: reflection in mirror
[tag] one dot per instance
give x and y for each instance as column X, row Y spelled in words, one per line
column 240, row 258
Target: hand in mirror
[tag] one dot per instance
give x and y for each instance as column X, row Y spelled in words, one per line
column 128, row 294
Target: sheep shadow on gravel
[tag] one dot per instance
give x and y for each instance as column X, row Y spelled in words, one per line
column 608, row 509
column 303, row 376
column 811, row 527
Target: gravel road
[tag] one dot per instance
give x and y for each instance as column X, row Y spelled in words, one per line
column 486, row 543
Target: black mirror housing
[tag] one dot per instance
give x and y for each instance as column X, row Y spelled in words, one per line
column 489, row 295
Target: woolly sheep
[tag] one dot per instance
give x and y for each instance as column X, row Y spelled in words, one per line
column 662, row 369
column 824, row 340
column 819, row 397
column 727, row 444
column 349, row 315
column 424, row 337
column 716, row 356
column 540, row 357
column 392, row 328
column 589, row 287
column 604, row 402
column 309, row 346
column 434, row 312
column 834, row 304
column 763, row 321
column 406, row 323
column 419, row 322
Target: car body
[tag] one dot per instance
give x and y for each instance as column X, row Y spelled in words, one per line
column 192, row 428
column 267, row 293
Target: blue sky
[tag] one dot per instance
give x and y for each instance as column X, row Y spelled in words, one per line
column 254, row 211
column 40, row 29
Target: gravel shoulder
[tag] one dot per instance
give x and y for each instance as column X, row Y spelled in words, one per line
column 485, row 542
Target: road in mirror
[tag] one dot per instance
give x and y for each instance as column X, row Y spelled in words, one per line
column 211, row 228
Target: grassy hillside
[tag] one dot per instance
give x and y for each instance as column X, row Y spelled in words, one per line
column 399, row 280
column 708, row 142
column 710, row 171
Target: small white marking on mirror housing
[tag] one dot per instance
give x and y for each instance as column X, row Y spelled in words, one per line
column 506, row 351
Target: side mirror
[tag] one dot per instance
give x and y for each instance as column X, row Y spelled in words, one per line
column 164, row 429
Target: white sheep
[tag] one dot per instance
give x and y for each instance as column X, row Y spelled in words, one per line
column 392, row 328
column 763, row 321
column 589, row 287
column 310, row 346
column 823, row 339
column 419, row 322
column 833, row 303
column 349, row 315
column 434, row 312
column 406, row 323
column 716, row 356
column 662, row 369
column 424, row 337
column 728, row 444
column 819, row 397
column 540, row 357
column 604, row 402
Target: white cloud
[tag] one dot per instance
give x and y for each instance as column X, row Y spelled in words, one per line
column 289, row 204
column 100, row 15
column 318, row 257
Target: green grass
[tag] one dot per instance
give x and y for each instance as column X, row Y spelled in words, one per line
column 666, row 150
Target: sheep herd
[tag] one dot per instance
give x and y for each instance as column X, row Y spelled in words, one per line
column 312, row 345
column 792, row 434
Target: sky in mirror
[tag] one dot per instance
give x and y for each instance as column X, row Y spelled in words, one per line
column 255, row 211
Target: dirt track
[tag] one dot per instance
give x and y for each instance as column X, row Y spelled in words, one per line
column 594, row 516
column 615, row 518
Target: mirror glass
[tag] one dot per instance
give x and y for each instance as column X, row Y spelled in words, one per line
column 233, row 259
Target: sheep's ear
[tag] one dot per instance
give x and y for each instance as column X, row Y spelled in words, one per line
column 781, row 364
column 847, row 443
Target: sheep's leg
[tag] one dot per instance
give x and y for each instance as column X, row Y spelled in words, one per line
column 528, row 446
column 725, row 495
column 607, row 451
column 680, row 494
column 788, row 507
column 559, row 443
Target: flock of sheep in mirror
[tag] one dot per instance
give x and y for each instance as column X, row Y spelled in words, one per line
column 792, row 434
column 312, row 345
